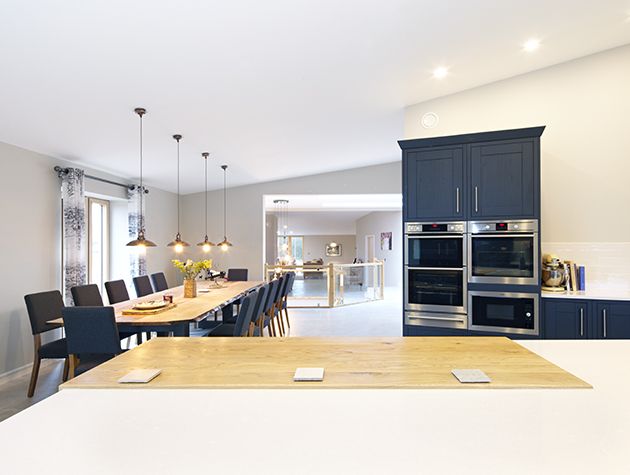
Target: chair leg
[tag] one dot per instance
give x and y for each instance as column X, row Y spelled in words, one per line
column 66, row 368
column 34, row 373
column 139, row 339
column 280, row 321
column 286, row 313
column 72, row 366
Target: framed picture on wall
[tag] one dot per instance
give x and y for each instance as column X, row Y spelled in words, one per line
column 386, row 241
column 333, row 249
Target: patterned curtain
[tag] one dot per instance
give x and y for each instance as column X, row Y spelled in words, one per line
column 74, row 231
column 137, row 258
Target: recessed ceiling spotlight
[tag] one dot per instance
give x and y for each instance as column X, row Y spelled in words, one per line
column 440, row 73
column 531, row 45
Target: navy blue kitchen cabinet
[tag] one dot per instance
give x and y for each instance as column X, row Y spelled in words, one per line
column 611, row 320
column 566, row 319
column 472, row 176
column 434, row 184
column 503, row 180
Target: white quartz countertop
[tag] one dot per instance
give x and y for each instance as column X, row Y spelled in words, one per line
column 577, row 431
column 594, row 293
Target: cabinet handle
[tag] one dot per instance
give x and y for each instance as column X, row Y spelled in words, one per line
column 605, row 323
column 581, row 321
column 476, row 200
column 457, row 198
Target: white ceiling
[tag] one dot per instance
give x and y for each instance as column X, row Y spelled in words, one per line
column 323, row 223
column 326, row 203
column 274, row 89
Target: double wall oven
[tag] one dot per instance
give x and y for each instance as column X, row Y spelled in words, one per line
column 435, row 277
column 480, row 275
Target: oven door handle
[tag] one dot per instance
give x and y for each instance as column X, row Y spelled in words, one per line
column 441, row 319
column 511, row 235
column 434, row 268
column 435, row 236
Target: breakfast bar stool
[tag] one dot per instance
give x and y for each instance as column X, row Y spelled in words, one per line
column 43, row 307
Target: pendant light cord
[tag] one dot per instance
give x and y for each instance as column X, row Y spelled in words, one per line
column 206, row 183
column 224, row 202
column 178, row 207
column 141, row 187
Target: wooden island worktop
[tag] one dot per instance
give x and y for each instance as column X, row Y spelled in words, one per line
column 350, row 363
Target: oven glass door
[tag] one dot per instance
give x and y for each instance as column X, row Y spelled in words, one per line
column 435, row 251
column 435, row 289
column 509, row 313
column 503, row 256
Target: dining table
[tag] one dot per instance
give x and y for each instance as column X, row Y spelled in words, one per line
column 211, row 297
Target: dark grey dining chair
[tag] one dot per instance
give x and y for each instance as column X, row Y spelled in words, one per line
column 159, row 281
column 236, row 275
column 87, row 296
column 241, row 326
column 142, row 285
column 285, row 297
column 258, row 312
column 264, row 321
column 116, row 291
column 91, row 335
column 43, row 307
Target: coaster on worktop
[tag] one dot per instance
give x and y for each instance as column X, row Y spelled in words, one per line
column 471, row 376
column 309, row 374
column 140, row 376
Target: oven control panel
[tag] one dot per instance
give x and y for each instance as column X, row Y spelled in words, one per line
column 422, row 228
column 524, row 226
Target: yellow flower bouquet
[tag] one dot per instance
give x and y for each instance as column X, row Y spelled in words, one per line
column 191, row 269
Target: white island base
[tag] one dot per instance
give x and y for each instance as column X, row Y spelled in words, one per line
column 511, row 431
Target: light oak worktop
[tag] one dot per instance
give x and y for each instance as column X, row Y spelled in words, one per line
column 365, row 363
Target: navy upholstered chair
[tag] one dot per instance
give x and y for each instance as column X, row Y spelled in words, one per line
column 279, row 300
column 43, row 307
column 142, row 285
column 86, row 296
column 236, row 275
column 285, row 297
column 92, row 336
column 116, row 291
column 258, row 314
column 242, row 325
column 265, row 321
column 159, row 281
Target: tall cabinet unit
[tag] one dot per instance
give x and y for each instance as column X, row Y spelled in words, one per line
column 449, row 181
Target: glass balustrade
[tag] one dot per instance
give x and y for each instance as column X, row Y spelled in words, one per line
column 332, row 285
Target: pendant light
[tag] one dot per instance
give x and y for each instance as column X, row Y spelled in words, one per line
column 141, row 241
column 225, row 244
column 177, row 243
column 205, row 244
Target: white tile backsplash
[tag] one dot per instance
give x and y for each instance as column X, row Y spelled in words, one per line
column 607, row 263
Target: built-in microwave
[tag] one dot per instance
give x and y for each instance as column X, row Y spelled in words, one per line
column 503, row 252
column 504, row 312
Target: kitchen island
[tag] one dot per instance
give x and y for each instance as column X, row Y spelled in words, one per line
column 341, row 431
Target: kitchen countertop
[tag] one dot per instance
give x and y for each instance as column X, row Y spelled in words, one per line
column 593, row 292
column 341, row 431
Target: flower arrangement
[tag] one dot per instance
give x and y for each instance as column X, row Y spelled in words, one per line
column 190, row 268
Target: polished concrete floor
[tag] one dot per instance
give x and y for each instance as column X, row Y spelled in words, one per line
column 378, row 318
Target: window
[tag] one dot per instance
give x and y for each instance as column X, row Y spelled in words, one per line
column 98, row 242
column 291, row 248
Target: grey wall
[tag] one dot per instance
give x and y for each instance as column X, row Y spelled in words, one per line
column 246, row 211
column 375, row 223
column 315, row 248
column 30, row 240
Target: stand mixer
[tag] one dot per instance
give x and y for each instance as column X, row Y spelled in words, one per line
column 553, row 274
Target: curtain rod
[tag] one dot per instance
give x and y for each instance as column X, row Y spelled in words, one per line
column 62, row 171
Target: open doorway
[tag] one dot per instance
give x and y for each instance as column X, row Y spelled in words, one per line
column 349, row 243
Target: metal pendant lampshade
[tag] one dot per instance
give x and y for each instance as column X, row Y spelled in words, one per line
column 141, row 241
column 178, row 244
column 206, row 245
column 225, row 244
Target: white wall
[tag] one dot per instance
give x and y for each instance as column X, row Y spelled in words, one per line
column 315, row 248
column 374, row 224
column 30, row 240
column 271, row 238
column 585, row 105
column 246, row 213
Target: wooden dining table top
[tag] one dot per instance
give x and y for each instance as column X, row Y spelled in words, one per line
column 186, row 309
